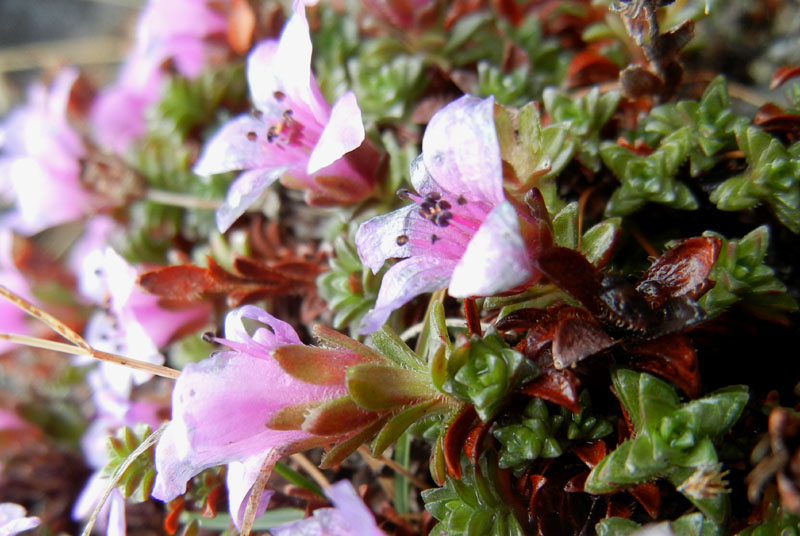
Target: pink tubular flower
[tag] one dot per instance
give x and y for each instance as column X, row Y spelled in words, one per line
column 460, row 231
column 349, row 517
column 133, row 324
column 177, row 31
column 293, row 133
column 41, row 163
column 13, row 520
column 222, row 406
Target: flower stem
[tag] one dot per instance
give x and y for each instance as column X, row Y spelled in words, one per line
column 79, row 345
column 176, row 199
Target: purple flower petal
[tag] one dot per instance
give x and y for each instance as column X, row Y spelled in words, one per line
column 496, row 258
column 349, row 517
column 461, row 151
column 13, row 520
column 240, row 479
column 240, row 144
column 243, row 192
column 376, row 239
column 343, row 133
column 404, row 281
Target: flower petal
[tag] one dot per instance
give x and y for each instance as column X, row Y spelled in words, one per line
column 496, row 259
column 220, row 408
column 343, row 133
column 461, row 150
column 243, row 192
column 264, row 341
column 376, row 239
column 357, row 516
column 404, row 281
column 240, row 479
column 233, row 148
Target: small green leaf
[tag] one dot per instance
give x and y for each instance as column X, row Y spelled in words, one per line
column 398, row 424
column 392, row 347
column 378, row 387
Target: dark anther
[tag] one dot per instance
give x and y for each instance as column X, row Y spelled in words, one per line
column 402, row 240
column 461, row 200
column 444, row 205
column 434, row 195
column 252, row 136
column 272, row 133
column 404, row 193
column 434, row 239
column 443, row 219
column 258, row 114
column 279, row 95
column 208, row 336
column 287, row 116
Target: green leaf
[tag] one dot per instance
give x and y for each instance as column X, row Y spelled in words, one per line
column 398, row 424
column 649, row 178
column 472, row 505
column 295, row 478
column 378, row 387
column 773, row 178
column 391, row 346
column 484, row 370
column 741, row 276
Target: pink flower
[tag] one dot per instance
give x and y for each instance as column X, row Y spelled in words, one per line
column 180, row 31
column 12, row 318
column 41, row 166
column 13, row 520
column 222, row 408
column 293, row 133
column 349, row 517
column 460, row 231
column 132, row 322
column 113, row 411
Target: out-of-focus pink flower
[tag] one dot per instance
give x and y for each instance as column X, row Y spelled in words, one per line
column 12, row 319
column 460, row 231
column 293, row 133
column 113, row 411
column 349, row 517
column 222, row 407
column 176, row 31
column 13, row 520
column 132, row 323
column 41, row 157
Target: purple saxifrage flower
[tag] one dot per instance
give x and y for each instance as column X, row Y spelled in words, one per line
column 13, row 520
column 222, row 409
column 349, row 517
column 177, row 31
column 40, row 166
column 293, row 133
column 460, row 231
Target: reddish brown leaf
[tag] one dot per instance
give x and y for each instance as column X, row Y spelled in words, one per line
column 649, row 497
column 474, row 443
column 680, row 271
column 510, row 10
column 671, row 357
column 577, row 337
column 473, row 317
column 572, row 273
column 591, row 453
column 174, row 508
column 318, row 366
column 575, row 484
column 459, row 8
column 618, row 510
column 536, row 482
column 588, row 68
column 782, row 75
column 212, row 502
column 557, row 386
column 337, row 417
column 454, row 439
column 772, row 118
column 241, row 26
column 175, row 282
